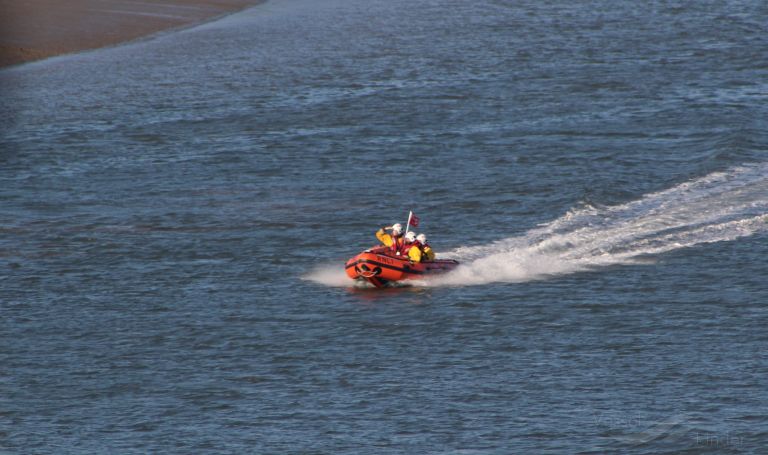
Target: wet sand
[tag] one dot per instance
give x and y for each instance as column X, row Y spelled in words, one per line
column 36, row 29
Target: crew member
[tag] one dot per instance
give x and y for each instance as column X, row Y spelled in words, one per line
column 393, row 240
column 412, row 247
column 426, row 251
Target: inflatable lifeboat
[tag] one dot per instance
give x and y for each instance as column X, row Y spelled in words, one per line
column 381, row 267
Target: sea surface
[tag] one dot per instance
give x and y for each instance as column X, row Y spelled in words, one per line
column 175, row 214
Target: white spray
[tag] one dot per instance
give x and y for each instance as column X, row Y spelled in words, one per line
column 718, row 207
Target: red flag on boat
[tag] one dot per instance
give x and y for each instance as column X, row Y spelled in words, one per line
column 413, row 220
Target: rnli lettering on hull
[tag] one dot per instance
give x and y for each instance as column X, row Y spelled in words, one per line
column 385, row 259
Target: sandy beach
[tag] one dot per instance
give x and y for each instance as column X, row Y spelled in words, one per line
column 37, row 29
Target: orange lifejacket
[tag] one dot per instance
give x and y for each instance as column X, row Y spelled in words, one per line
column 398, row 245
column 405, row 247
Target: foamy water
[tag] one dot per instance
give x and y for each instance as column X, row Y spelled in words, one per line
column 721, row 206
column 330, row 274
column 718, row 207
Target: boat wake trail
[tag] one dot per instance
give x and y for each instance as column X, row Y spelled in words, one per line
column 717, row 207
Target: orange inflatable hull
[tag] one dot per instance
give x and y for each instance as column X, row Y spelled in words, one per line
column 381, row 267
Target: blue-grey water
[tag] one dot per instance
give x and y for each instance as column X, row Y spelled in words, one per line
column 175, row 214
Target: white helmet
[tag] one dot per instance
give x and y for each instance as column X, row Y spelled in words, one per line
column 397, row 228
column 410, row 236
column 422, row 238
